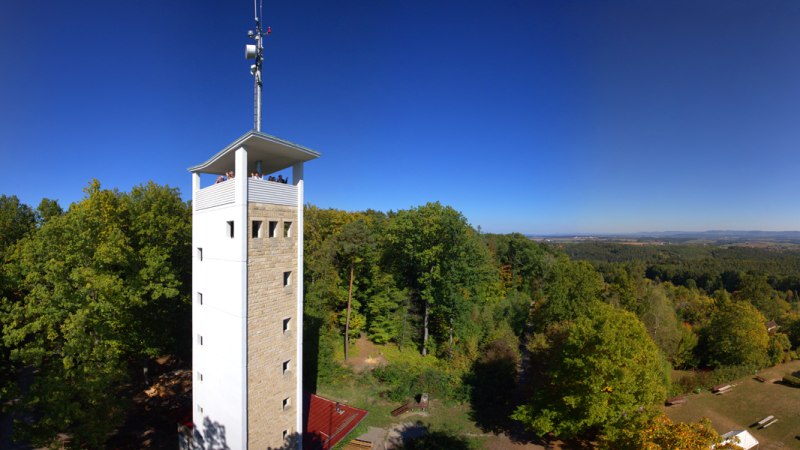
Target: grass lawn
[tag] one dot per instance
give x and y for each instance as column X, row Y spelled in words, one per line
column 749, row 402
column 362, row 391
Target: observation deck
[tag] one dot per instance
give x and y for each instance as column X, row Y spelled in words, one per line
column 258, row 191
column 256, row 157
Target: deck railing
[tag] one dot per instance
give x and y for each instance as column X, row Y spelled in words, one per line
column 215, row 195
column 272, row 192
column 259, row 191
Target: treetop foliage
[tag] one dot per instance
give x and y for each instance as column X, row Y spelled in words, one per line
column 603, row 370
column 572, row 349
column 661, row 433
column 102, row 285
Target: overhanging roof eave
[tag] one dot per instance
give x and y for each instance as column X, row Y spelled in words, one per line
column 299, row 152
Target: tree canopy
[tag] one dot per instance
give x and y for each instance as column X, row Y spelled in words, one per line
column 603, row 371
column 661, row 433
column 572, row 349
column 441, row 261
column 736, row 336
column 571, row 289
column 105, row 284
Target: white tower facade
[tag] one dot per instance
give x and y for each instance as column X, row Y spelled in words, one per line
column 247, row 282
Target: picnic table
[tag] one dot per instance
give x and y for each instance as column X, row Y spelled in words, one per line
column 721, row 388
column 679, row 400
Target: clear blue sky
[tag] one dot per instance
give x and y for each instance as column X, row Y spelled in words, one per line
column 530, row 116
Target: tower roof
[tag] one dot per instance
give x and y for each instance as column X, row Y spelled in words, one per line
column 274, row 153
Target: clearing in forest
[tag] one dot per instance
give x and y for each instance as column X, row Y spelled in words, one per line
column 748, row 402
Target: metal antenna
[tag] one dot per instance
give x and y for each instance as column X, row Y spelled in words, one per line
column 256, row 52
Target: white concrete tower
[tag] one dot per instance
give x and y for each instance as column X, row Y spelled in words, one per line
column 247, row 282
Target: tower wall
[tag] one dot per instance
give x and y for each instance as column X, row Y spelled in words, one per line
column 271, row 301
column 218, row 326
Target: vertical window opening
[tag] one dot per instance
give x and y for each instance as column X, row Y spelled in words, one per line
column 200, row 339
column 200, row 298
column 273, row 228
column 200, row 253
column 256, row 229
column 286, row 366
column 286, row 322
column 230, row 229
column 287, row 279
column 285, row 403
column 287, row 229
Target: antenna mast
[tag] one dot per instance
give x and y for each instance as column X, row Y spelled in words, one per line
column 256, row 52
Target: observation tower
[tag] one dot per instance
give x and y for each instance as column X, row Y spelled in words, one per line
column 247, row 286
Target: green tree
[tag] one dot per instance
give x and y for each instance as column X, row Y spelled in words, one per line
column 794, row 332
column 571, row 289
column 736, row 336
column 16, row 220
column 691, row 305
column 661, row 433
column 602, row 371
column 658, row 316
column 46, row 210
column 685, row 356
column 104, row 286
column 521, row 261
column 159, row 281
column 757, row 290
column 778, row 346
column 440, row 259
column 355, row 245
column 386, row 309
column 623, row 288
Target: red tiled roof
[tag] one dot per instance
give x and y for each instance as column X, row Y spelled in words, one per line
column 327, row 422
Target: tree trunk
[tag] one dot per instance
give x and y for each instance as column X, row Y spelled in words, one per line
column 347, row 320
column 450, row 351
column 425, row 332
column 403, row 330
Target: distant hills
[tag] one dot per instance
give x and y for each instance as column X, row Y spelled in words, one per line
column 683, row 236
column 723, row 234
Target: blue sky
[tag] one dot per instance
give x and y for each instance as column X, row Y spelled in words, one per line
column 529, row 116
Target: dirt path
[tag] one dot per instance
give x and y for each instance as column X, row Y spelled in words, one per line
column 366, row 356
column 397, row 433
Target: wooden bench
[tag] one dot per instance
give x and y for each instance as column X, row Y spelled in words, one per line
column 765, row 420
column 397, row 411
column 358, row 444
column 768, row 424
column 761, row 379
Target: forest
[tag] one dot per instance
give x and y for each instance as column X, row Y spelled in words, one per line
column 556, row 342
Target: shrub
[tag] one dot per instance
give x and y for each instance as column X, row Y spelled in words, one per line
column 398, row 380
column 695, row 381
column 705, row 379
column 725, row 374
column 404, row 382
